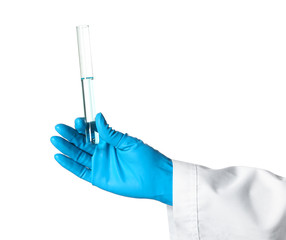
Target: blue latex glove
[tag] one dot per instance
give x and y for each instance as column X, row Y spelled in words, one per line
column 120, row 164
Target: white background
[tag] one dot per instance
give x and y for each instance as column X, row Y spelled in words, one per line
column 201, row 81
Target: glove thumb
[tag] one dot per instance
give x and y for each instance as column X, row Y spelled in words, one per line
column 107, row 133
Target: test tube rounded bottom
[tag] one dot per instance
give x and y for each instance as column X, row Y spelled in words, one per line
column 91, row 134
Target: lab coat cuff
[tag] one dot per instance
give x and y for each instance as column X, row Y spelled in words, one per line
column 183, row 215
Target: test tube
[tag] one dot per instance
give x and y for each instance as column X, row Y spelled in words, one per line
column 87, row 82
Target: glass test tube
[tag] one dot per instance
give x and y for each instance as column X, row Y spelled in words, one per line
column 87, row 82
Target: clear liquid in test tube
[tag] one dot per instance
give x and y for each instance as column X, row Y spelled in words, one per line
column 87, row 82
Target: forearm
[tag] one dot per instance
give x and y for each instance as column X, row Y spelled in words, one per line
column 232, row 203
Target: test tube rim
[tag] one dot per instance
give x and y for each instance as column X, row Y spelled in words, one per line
column 83, row 26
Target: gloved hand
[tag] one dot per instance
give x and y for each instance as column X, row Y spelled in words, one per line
column 120, row 164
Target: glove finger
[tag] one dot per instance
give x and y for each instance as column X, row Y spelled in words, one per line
column 106, row 132
column 72, row 151
column 115, row 138
column 71, row 135
column 74, row 167
column 80, row 125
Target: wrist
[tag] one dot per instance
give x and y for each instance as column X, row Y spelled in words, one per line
column 165, row 182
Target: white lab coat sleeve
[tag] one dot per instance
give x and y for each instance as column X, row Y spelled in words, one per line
column 235, row 203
